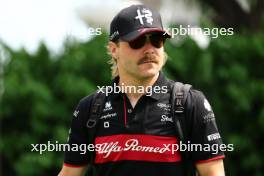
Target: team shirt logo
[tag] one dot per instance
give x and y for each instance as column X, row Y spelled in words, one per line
column 207, row 106
column 106, row 124
column 165, row 118
column 108, row 106
column 214, row 136
column 209, row 117
column 163, row 106
column 108, row 115
column 135, row 147
column 75, row 113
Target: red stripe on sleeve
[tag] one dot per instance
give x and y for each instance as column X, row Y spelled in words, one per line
column 74, row 166
column 211, row 159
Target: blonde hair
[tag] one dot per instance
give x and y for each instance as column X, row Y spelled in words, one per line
column 113, row 63
column 114, row 68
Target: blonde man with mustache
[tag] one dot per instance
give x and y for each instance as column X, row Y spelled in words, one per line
column 135, row 134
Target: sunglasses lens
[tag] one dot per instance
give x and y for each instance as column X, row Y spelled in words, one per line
column 138, row 43
column 157, row 40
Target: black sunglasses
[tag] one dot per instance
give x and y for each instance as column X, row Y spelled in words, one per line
column 156, row 40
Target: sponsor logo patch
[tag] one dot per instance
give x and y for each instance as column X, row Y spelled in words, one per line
column 108, row 106
column 108, row 116
column 165, row 118
column 209, row 117
column 163, row 106
column 75, row 113
column 106, row 124
column 214, row 136
column 207, row 106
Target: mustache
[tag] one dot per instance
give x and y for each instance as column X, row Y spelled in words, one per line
column 147, row 58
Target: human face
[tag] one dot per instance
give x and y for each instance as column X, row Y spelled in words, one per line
column 140, row 63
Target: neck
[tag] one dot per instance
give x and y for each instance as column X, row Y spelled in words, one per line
column 128, row 81
column 132, row 81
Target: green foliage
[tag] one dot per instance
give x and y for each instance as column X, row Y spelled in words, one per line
column 230, row 73
column 42, row 89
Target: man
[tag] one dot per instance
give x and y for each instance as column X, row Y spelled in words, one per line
column 135, row 127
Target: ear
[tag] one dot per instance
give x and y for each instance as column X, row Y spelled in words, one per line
column 113, row 49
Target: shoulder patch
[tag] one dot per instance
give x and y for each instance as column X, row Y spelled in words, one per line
column 207, row 106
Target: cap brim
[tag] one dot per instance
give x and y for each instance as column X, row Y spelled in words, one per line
column 135, row 34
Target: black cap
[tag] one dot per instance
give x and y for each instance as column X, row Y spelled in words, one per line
column 134, row 21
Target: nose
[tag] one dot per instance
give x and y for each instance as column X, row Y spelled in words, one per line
column 148, row 47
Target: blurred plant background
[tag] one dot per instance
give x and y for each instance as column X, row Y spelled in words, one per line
column 38, row 91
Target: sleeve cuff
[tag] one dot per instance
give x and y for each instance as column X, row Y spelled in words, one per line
column 210, row 159
column 74, row 166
